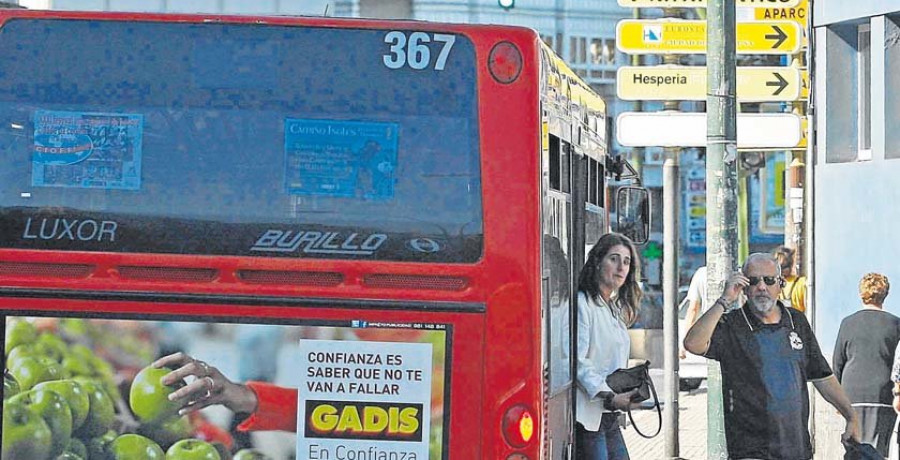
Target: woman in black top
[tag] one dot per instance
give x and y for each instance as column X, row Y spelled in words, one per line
column 863, row 356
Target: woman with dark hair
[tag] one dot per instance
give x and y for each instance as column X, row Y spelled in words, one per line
column 608, row 299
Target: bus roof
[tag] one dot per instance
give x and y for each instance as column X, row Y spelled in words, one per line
column 318, row 21
column 580, row 90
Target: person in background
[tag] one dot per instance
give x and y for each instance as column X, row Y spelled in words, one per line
column 794, row 289
column 863, row 355
column 895, row 380
column 696, row 296
column 608, row 299
column 768, row 353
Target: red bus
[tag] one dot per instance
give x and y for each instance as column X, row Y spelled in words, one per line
column 400, row 207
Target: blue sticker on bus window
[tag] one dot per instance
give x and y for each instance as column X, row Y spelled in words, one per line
column 87, row 150
column 340, row 158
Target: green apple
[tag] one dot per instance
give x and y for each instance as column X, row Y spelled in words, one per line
column 149, row 397
column 101, row 412
column 134, row 447
column 18, row 332
column 78, row 448
column 25, row 433
column 51, row 346
column 10, row 385
column 26, row 350
column 102, row 367
column 32, row 371
column 73, row 327
column 97, row 446
column 223, row 450
column 250, row 454
column 75, row 366
column 81, row 351
column 54, row 409
column 168, row 432
column 192, row 449
column 74, row 395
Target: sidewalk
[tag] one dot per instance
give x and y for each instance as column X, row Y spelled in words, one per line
column 691, row 432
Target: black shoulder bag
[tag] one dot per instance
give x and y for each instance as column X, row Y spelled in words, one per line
column 637, row 377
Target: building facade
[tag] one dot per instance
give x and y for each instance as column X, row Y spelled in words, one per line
column 856, row 98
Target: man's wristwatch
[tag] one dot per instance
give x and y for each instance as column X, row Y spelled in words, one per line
column 895, row 392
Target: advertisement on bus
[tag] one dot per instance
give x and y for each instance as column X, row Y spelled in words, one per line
column 123, row 388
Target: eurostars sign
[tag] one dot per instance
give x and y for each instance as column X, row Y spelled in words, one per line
column 675, row 36
column 681, row 83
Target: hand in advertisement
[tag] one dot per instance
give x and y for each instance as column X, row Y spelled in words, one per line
column 209, row 386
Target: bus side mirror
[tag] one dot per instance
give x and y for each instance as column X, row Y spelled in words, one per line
column 633, row 213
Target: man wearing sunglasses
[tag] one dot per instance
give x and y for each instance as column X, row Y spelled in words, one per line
column 768, row 353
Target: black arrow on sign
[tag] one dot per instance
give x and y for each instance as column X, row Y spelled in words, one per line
column 781, row 83
column 779, row 37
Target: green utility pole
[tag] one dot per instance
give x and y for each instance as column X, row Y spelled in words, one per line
column 743, row 217
column 721, row 187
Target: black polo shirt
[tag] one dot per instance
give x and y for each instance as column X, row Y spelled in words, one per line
column 765, row 368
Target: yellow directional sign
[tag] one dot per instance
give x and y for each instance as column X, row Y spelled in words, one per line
column 702, row 3
column 680, row 83
column 675, row 36
column 804, row 135
column 804, row 79
column 798, row 13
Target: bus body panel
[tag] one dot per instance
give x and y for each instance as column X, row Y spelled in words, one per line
column 465, row 360
column 496, row 306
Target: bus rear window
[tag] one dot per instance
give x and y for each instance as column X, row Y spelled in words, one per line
column 229, row 139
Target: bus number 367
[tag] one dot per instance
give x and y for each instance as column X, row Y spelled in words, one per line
column 414, row 51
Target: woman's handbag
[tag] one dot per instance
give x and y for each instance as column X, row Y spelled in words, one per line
column 637, row 377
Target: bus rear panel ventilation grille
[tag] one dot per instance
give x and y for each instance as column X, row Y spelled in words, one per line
column 294, row 278
column 52, row 270
column 197, row 275
column 443, row 283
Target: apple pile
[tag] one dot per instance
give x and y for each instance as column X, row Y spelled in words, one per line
column 61, row 402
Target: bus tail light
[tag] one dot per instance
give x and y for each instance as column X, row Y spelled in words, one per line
column 505, row 62
column 518, row 426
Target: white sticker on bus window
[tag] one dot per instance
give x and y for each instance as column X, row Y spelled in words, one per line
column 340, row 158
column 87, row 150
column 413, row 50
column 364, row 399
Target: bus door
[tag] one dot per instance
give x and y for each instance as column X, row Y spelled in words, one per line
column 557, row 269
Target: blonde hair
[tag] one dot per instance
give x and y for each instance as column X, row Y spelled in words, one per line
column 873, row 288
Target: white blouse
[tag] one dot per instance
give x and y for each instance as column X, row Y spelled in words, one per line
column 603, row 347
